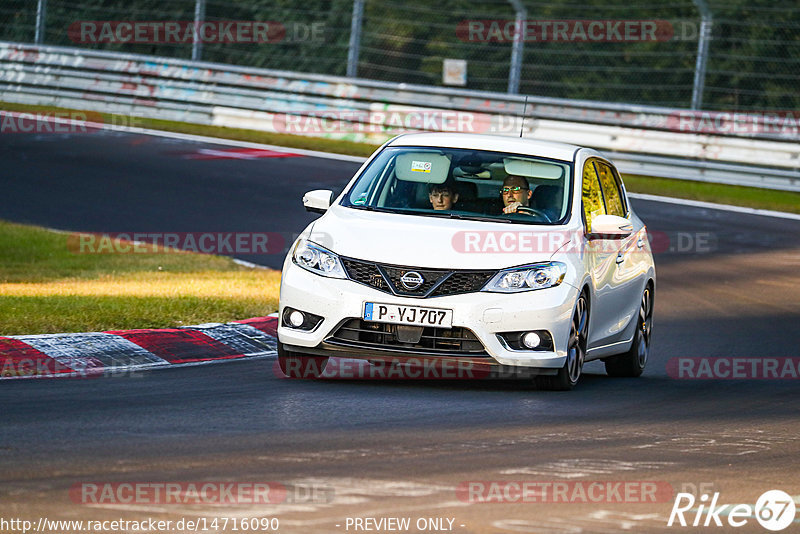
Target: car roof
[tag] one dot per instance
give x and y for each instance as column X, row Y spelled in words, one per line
column 495, row 143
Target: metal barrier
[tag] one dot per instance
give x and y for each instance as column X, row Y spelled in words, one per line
column 646, row 140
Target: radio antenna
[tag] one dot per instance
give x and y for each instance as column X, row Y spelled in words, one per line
column 524, row 110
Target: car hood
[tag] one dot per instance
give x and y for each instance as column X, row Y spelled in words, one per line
column 434, row 242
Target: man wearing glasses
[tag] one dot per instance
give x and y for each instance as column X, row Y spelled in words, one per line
column 516, row 193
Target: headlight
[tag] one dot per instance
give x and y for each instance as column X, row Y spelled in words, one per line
column 317, row 259
column 527, row 278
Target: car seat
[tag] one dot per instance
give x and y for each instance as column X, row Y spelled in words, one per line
column 548, row 198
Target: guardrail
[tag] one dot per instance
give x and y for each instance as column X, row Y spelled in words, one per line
column 647, row 140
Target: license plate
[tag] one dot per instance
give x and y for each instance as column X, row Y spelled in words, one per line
column 410, row 315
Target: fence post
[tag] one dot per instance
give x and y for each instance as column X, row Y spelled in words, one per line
column 199, row 17
column 702, row 53
column 41, row 13
column 355, row 38
column 517, row 47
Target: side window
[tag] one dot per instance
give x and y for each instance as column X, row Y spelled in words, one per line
column 611, row 192
column 592, row 198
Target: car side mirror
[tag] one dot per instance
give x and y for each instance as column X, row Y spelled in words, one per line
column 318, row 201
column 610, row 227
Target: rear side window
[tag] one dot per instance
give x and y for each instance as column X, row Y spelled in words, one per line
column 611, row 191
column 592, row 197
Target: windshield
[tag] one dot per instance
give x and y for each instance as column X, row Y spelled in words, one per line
column 463, row 183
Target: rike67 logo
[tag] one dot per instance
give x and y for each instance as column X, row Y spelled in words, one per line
column 774, row 510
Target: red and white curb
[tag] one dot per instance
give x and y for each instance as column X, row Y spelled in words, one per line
column 101, row 353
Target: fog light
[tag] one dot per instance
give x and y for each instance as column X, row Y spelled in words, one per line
column 531, row 340
column 296, row 319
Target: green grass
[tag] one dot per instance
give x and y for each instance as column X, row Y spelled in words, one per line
column 43, row 315
column 45, row 287
column 32, row 254
column 720, row 193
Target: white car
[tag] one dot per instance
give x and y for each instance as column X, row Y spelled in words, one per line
column 491, row 250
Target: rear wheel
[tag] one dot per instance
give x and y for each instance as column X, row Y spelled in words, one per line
column 633, row 362
column 297, row 365
column 568, row 375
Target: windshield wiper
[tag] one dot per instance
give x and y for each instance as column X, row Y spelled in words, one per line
column 473, row 217
column 487, row 218
column 373, row 208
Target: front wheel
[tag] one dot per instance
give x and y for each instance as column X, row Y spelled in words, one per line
column 632, row 363
column 296, row 365
column 568, row 375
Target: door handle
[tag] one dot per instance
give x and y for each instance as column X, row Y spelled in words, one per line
column 640, row 243
column 620, row 258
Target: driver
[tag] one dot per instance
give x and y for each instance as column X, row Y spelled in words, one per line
column 516, row 193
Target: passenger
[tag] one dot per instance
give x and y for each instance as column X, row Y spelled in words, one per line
column 442, row 196
column 516, row 193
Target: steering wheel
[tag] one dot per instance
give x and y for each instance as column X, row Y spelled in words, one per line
column 533, row 211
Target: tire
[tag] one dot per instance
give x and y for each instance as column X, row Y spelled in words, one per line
column 568, row 376
column 632, row 363
column 297, row 365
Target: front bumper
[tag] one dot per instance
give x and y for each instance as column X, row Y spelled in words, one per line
column 484, row 314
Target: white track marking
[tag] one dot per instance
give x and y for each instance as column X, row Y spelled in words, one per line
column 719, row 445
column 242, row 338
column 714, row 206
column 537, row 526
column 599, row 522
column 581, row 467
column 251, row 265
column 82, row 352
column 228, row 142
column 373, row 487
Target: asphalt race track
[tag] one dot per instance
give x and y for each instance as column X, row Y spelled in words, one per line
column 728, row 287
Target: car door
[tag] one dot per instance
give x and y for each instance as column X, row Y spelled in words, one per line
column 605, row 258
column 627, row 278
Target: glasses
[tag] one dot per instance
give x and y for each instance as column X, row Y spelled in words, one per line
column 443, row 194
column 517, row 189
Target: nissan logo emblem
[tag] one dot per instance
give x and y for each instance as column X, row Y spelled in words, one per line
column 411, row 280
